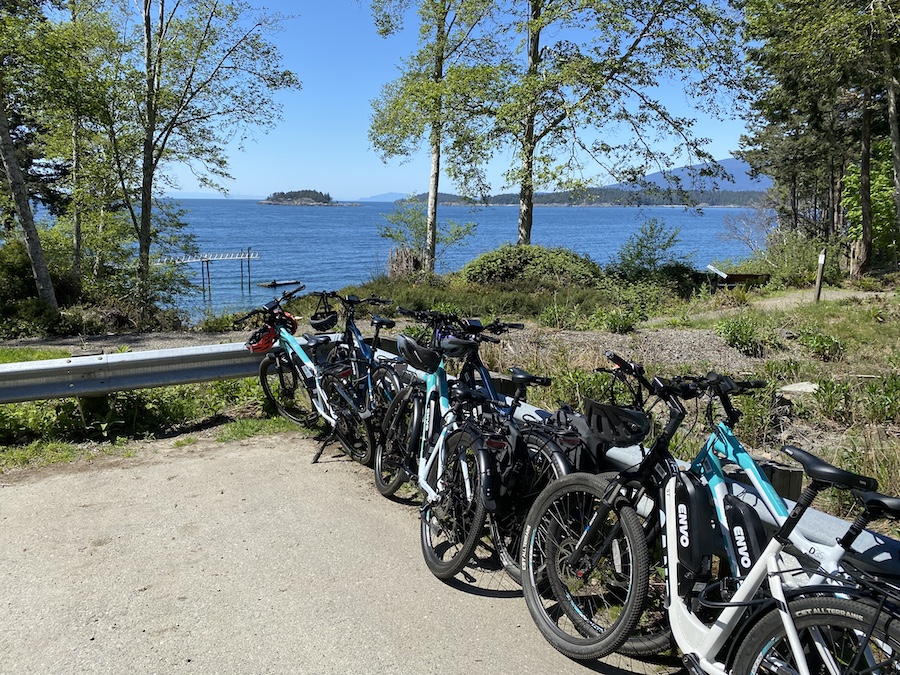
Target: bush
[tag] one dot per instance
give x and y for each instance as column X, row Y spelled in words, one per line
column 792, row 259
column 534, row 266
column 743, row 334
column 649, row 254
column 824, row 347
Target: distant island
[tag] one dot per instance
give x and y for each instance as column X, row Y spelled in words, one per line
column 299, row 198
column 611, row 196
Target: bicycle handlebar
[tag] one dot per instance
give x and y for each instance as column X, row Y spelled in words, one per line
column 271, row 306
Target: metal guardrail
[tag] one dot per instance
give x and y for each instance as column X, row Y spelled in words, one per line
column 107, row 373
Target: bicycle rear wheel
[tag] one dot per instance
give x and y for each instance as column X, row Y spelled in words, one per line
column 838, row 635
column 535, row 470
column 354, row 433
column 452, row 525
column 385, row 388
column 285, row 390
column 397, row 444
column 586, row 609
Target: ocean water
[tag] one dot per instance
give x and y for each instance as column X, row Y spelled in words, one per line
column 330, row 247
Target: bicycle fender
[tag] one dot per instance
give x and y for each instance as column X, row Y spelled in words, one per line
column 485, row 464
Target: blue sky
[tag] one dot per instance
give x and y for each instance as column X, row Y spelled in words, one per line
column 322, row 142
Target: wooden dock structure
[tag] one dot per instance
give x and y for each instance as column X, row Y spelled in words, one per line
column 205, row 258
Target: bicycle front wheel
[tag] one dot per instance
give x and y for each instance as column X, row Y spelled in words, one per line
column 285, row 390
column 534, row 472
column 588, row 608
column 452, row 525
column 837, row 635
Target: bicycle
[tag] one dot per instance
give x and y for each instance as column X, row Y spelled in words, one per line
column 862, row 625
column 297, row 379
column 526, row 454
column 452, row 466
column 594, row 545
column 360, row 386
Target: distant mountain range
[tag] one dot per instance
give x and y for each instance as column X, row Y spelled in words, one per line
column 740, row 182
column 737, row 168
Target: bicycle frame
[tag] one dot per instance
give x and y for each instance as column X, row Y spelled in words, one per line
column 436, row 410
column 291, row 345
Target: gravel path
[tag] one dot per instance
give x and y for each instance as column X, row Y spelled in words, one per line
column 242, row 557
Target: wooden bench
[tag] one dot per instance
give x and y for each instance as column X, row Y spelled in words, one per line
column 734, row 279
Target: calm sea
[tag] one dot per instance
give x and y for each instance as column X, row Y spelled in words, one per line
column 328, row 248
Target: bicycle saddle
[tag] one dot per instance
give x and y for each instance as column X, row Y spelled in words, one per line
column 419, row 357
column 381, row 322
column 315, row 340
column 819, row 469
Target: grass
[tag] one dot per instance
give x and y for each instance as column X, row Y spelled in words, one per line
column 18, row 354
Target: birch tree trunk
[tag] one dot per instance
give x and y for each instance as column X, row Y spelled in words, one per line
column 23, row 210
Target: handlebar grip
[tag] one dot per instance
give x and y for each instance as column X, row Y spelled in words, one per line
column 543, row 381
column 246, row 316
column 488, row 338
column 516, row 326
column 291, row 294
column 406, row 312
column 627, row 366
column 751, row 384
column 378, row 301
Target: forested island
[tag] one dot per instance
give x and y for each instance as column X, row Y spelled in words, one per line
column 299, row 198
column 611, row 196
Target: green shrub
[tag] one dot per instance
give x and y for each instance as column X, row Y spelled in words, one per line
column 743, row 334
column 535, row 266
column 824, row 347
column 649, row 254
column 560, row 316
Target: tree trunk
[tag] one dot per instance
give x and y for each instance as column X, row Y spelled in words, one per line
column 892, row 87
column 76, row 201
column 151, row 71
column 431, row 216
column 526, row 187
column 23, row 210
column 863, row 248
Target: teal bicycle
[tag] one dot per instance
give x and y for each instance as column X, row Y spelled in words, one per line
column 299, row 380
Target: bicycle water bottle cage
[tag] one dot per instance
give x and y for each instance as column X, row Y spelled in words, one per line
column 457, row 347
column 262, row 339
column 324, row 318
column 613, row 424
column 419, row 357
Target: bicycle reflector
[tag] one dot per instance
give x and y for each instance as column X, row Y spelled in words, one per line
column 262, row 340
column 616, row 425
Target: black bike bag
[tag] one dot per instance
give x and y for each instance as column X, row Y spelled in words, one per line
column 696, row 530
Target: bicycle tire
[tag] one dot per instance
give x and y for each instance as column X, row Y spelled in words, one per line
column 286, row 391
column 385, row 388
column 396, row 446
column 652, row 635
column 584, row 614
column 507, row 522
column 451, row 526
column 834, row 623
column 354, row 433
